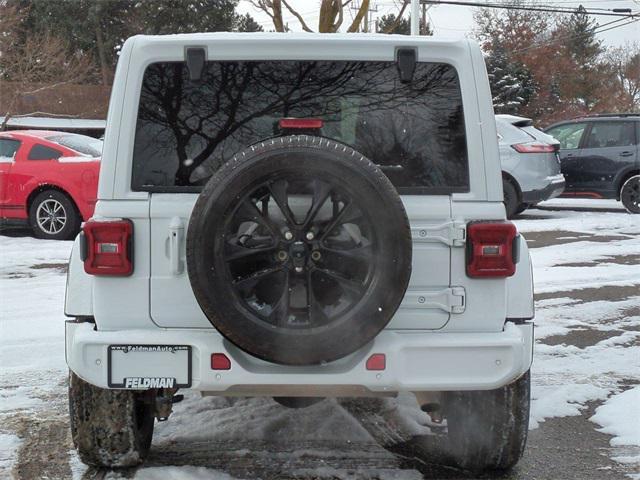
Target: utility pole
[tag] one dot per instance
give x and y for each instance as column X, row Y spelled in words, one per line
column 415, row 17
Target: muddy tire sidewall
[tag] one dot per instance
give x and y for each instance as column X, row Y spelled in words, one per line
column 110, row 428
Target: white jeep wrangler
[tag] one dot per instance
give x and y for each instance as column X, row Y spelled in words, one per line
column 300, row 216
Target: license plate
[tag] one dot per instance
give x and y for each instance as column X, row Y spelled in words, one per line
column 149, row 366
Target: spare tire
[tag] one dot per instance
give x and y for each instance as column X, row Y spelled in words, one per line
column 299, row 250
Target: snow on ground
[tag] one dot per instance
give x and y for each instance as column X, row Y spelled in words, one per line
column 175, row 473
column 615, row 420
column 591, row 203
column 9, row 444
column 32, row 281
column 574, row 254
column 565, row 376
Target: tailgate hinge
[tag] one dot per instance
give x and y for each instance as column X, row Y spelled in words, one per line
column 451, row 300
column 453, row 234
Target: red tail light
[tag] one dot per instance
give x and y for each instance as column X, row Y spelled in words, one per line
column 491, row 249
column 533, row 148
column 107, row 247
column 301, row 123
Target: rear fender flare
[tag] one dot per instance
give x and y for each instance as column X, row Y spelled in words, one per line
column 78, row 298
column 520, row 287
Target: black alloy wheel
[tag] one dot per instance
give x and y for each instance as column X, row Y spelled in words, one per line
column 299, row 251
column 630, row 194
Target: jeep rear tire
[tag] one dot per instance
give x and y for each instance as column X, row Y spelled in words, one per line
column 488, row 429
column 110, row 428
column 299, row 250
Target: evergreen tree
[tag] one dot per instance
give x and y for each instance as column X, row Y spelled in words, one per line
column 403, row 27
column 386, row 23
column 512, row 84
column 582, row 51
column 161, row 17
column 246, row 23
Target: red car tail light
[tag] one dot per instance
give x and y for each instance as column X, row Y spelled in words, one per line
column 491, row 249
column 533, row 148
column 107, row 247
column 301, row 123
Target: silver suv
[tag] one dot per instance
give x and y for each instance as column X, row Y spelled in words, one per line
column 530, row 164
column 300, row 216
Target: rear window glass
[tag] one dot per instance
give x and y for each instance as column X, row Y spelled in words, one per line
column 611, row 134
column 568, row 135
column 415, row 131
column 82, row 144
column 8, row 149
column 40, row 152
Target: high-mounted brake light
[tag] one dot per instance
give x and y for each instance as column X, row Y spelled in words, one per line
column 107, row 247
column 533, row 147
column 491, row 249
column 301, row 123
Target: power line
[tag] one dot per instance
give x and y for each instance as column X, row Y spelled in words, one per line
column 596, row 30
column 611, row 13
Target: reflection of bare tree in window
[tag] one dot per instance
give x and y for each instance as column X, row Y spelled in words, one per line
column 423, row 132
column 201, row 125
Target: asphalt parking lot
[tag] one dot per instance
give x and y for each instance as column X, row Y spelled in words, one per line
column 587, row 269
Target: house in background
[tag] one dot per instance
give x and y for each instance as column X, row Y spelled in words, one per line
column 91, row 128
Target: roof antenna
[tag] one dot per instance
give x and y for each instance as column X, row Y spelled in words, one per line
column 195, row 56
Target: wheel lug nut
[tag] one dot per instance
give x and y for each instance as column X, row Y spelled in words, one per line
column 299, row 269
column 315, row 255
column 282, row 255
column 288, row 235
column 310, row 236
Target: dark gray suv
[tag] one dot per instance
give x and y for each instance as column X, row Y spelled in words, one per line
column 599, row 157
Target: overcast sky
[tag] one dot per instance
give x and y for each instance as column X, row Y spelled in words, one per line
column 456, row 21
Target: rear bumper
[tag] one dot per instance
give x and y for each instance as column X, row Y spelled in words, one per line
column 553, row 189
column 415, row 361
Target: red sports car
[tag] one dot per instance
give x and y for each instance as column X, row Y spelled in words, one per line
column 48, row 180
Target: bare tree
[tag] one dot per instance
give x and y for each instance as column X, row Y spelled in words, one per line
column 38, row 64
column 625, row 64
column 331, row 14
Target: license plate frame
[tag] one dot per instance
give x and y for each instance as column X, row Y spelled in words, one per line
column 159, row 351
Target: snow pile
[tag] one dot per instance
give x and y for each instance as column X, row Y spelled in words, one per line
column 620, row 417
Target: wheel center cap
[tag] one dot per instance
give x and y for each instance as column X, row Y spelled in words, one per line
column 299, row 253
